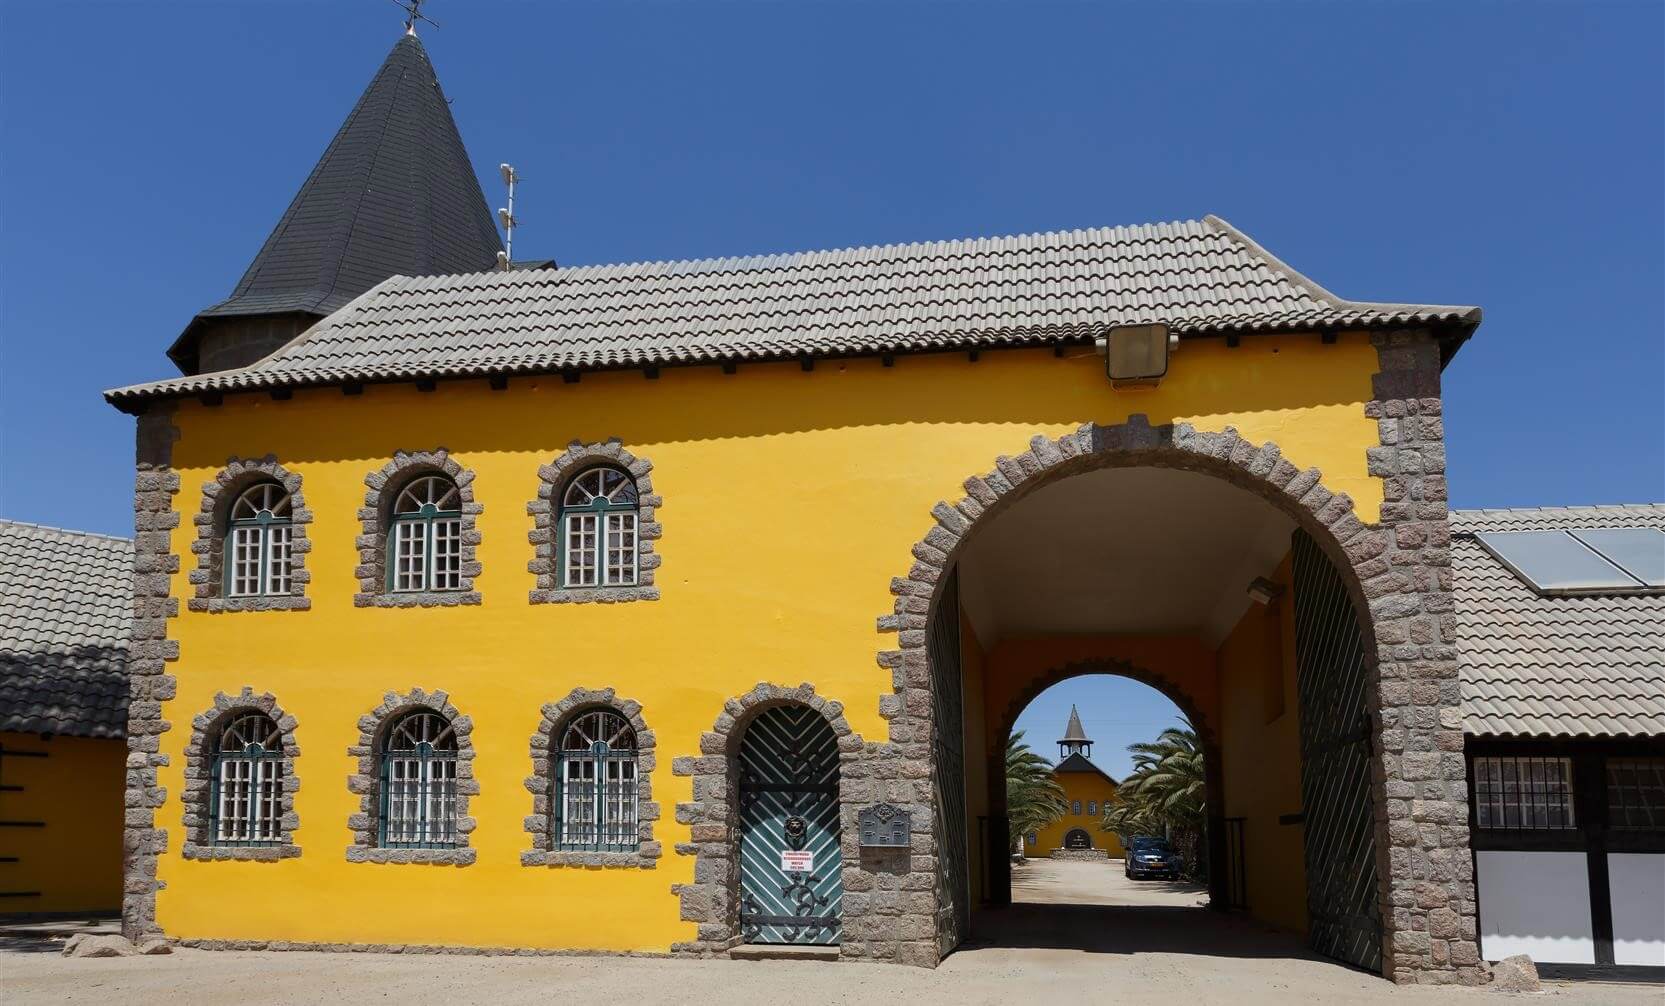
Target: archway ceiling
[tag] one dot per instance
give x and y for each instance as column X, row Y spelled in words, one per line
column 1146, row 551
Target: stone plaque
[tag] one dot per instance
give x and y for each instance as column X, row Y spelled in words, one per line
column 885, row 826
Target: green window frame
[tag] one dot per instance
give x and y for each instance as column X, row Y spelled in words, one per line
column 597, row 537
column 418, row 805
column 245, row 798
column 596, row 785
column 424, row 537
column 256, row 548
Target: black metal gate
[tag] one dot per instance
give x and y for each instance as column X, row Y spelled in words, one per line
column 948, row 740
column 1343, row 906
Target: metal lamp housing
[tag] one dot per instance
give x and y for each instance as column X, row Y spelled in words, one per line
column 1136, row 356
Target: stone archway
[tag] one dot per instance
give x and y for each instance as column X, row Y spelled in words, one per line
column 1396, row 574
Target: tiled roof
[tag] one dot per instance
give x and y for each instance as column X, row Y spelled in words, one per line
column 65, row 612
column 1585, row 666
column 394, row 194
column 1080, row 763
column 1199, row 276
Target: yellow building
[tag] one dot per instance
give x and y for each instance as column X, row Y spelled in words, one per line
column 1088, row 793
column 65, row 599
column 676, row 607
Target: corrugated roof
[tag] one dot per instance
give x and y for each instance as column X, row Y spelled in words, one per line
column 1198, row 276
column 66, row 603
column 394, row 194
column 1586, row 666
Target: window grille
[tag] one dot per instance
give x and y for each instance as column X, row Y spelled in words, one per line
column 425, row 540
column 245, row 806
column 257, row 542
column 1636, row 792
column 599, row 524
column 419, row 784
column 1092, row 806
column 1075, row 806
column 1523, row 793
column 595, row 789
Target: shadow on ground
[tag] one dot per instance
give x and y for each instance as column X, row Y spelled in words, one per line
column 1118, row 929
column 49, row 936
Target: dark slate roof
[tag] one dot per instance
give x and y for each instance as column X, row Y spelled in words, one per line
column 1200, row 276
column 1079, row 763
column 66, row 600
column 393, row 195
column 1555, row 666
column 1073, row 731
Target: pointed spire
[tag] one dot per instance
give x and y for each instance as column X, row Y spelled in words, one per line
column 1073, row 732
column 393, row 195
column 1075, row 740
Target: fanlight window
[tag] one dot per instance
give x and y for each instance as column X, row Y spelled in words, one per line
column 246, row 804
column 257, row 542
column 598, row 530
column 595, row 789
column 419, row 783
column 425, row 540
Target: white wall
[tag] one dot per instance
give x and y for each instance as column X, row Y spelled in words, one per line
column 1637, row 884
column 1536, row 903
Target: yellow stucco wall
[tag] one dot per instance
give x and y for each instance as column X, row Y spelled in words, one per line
column 790, row 501
column 1260, row 753
column 1085, row 787
column 74, row 858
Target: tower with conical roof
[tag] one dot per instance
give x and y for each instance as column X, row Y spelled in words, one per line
column 1074, row 741
column 393, row 195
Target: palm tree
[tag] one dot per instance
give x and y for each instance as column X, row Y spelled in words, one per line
column 1034, row 799
column 1166, row 794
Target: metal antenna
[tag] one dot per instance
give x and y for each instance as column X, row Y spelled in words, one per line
column 507, row 216
column 413, row 14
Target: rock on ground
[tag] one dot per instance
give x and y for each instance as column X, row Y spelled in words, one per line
column 98, row 945
column 1515, row 974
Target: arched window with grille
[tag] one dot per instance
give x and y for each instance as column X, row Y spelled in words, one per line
column 596, row 784
column 598, row 529
column 424, row 541
column 246, row 804
column 419, row 783
column 258, row 535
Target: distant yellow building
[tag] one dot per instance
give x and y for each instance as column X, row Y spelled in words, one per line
column 1088, row 791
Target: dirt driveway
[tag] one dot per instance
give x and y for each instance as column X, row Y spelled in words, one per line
column 1079, row 934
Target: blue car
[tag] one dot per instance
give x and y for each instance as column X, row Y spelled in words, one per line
column 1150, row 857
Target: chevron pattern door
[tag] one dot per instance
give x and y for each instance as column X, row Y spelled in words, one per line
column 791, row 870
column 1339, row 826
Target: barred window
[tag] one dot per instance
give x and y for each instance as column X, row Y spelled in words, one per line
column 595, row 789
column 419, row 783
column 1092, row 806
column 258, row 533
column 1636, row 792
column 425, row 540
column 1075, row 806
column 1523, row 793
column 598, row 529
column 246, row 800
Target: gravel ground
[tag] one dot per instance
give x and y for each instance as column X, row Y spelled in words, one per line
column 1080, row 933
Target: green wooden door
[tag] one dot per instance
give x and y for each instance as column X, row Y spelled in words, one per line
column 791, row 879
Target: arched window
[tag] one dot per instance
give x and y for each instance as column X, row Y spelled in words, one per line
column 425, row 537
column 1075, row 806
column 258, row 533
column 598, row 529
column 595, row 788
column 419, row 783
column 246, row 805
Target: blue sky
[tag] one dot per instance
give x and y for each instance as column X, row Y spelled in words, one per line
column 1507, row 155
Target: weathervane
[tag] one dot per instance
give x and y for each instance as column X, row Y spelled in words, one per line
column 413, row 14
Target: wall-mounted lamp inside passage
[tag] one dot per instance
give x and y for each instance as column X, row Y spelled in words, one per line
column 1264, row 591
column 1136, row 356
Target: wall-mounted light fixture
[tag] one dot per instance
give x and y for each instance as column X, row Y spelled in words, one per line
column 1136, row 356
column 1264, row 591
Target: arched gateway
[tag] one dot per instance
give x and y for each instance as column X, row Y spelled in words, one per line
column 1382, row 592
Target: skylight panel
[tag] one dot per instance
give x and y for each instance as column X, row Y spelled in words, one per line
column 1639, row 551
column 1554, row 562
